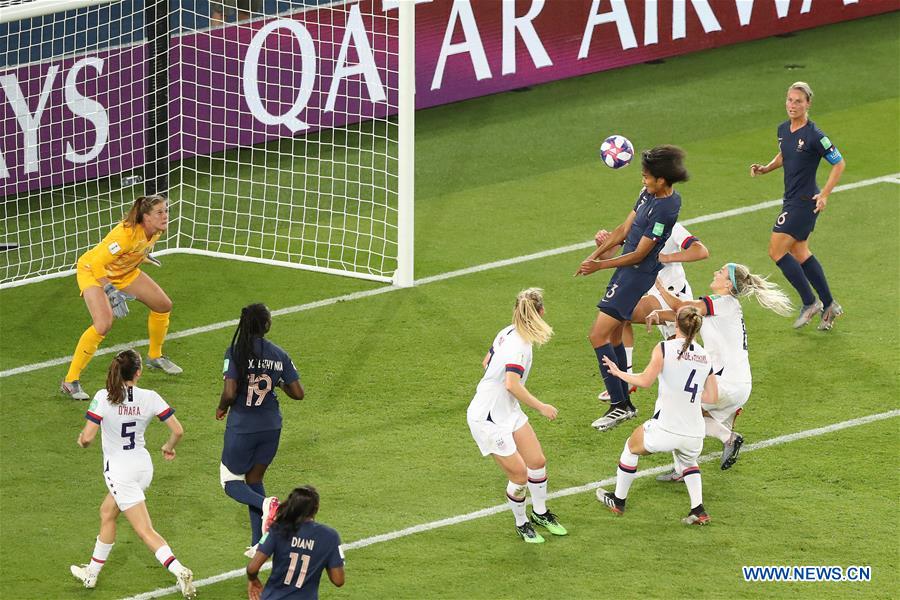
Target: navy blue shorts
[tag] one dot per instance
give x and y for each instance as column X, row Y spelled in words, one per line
column 624, row 291
column 796, row 219
column 243, row 450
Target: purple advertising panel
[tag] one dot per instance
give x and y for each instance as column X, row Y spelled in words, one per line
column 243, row 84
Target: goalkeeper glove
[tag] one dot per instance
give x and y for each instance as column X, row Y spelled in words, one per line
column 117, row 300
column 152, row 260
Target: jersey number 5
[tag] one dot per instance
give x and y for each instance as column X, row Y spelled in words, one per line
column 255, row 392
column 301, row 576
column 128, row 435
column 691, row 389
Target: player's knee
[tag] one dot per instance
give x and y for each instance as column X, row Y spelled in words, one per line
column 107, row 513
column 165, row 305
column 103, row 324
column 537, row 462
column 225, row 475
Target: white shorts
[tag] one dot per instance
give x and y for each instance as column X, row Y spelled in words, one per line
column 732, row 396
column 497, row 439
column 685, row 449
column 128, row 488
column 668, row 329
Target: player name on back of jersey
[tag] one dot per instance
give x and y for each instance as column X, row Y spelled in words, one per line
column 266, row 364
column 130, row 411
column 700, row 358
column 302, row 543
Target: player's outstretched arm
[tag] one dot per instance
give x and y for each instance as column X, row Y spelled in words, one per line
column 514, row 386
column 677, row 303
column 697, row 251
column 775, row 163
column 643, row 379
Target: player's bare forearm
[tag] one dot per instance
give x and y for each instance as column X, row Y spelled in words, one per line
column 833, row 177
column 696, row 252
column 613, row 241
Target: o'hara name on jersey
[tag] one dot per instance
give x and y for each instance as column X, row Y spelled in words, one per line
column 130, row 411
column 267, row 364
column 302, row 543
column 688, row 355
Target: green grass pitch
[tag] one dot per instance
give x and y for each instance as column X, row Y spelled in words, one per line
column 382, row 432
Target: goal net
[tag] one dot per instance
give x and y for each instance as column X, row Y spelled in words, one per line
column 280, row 131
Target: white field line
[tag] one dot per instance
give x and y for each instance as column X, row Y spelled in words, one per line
column 895, row 178
column 500, row 508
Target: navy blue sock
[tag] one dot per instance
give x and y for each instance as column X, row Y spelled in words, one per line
column 793, row 272
column 622, row 363
column 256, row 514
column 616, row 394
column 816, row 276
column 243, row 493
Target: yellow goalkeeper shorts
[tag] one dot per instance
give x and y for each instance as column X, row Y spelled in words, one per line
column 86, row 279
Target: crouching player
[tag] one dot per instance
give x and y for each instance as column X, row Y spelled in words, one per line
column 685, row 380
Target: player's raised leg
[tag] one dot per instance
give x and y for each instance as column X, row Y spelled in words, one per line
column 536, row 464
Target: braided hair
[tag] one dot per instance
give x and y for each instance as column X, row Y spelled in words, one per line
column 255, row 323
column 689, row 322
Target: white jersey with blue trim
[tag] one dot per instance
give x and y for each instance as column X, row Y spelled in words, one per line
column 672, row 275
column 681, row 384
column 122, row 427
column 725, row 337
column 509, row 353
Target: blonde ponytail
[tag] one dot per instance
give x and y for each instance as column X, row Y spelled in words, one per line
column 768, row 294
column 527, row 317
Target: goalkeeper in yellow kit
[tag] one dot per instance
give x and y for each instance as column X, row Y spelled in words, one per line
column 108, row 276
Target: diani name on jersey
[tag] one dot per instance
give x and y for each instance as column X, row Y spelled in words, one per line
column 302, row 543
column 267, row 364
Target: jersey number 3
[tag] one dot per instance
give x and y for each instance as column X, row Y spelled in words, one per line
column 256, row 393
column 301, row 576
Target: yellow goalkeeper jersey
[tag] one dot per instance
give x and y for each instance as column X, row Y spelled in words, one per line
column 121, row 252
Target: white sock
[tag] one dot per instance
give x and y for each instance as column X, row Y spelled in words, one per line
column 98, row 558
column 537, row 486
column 694, row 485
column 167, row 559
column 716, row 430
column 629, row 352
column 626, row 472
column 515, row 495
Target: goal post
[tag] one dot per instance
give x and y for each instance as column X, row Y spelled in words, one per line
column 283, row 139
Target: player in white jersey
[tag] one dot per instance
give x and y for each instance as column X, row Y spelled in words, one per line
column 686, row 379
column 725, row 338
column 681, row 247
column 497, row 422
column 121, row 412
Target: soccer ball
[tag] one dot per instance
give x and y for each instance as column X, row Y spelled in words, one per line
column 616, row 151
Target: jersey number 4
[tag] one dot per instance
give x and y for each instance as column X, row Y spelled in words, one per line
column 692, row 389
column 256, row 393
column 301, row 576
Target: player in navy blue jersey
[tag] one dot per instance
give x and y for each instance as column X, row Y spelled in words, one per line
column 801, row 146
column 253, row 368
column 300, row 549
column 644, row 233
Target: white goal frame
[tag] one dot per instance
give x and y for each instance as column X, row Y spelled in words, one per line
column 404, row 274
